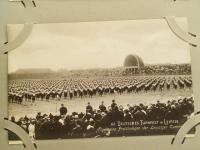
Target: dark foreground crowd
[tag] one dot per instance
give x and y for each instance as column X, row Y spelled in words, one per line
column 98, row 122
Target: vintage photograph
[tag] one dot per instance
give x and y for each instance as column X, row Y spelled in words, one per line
column 100, row 79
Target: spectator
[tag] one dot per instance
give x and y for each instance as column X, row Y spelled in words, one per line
column 63, row 110
column 98, row 123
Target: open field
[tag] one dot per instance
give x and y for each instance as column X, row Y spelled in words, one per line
column 78, row 105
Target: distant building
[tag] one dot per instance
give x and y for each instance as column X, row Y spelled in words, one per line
column 133, row 64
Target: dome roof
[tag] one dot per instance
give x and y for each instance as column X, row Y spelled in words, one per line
column 133, row 61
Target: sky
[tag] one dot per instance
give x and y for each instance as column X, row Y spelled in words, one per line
column 104, row 44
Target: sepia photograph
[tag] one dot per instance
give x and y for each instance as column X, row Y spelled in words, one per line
column 100, row 79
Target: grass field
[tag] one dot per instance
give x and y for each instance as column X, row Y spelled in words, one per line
column 78, row 105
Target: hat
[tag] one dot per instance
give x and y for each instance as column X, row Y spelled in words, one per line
column 88, row 113
column 76, row 117
column 91, row 120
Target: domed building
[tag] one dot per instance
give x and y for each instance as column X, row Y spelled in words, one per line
column 133, row 64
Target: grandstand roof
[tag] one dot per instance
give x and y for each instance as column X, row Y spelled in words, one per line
column 133, row 61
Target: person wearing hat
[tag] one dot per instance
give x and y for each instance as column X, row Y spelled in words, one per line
column 89, row 108
column 113, row 104
column 102, row 107
column 63, row 110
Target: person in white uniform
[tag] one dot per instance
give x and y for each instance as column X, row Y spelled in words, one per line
column 31, row 129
